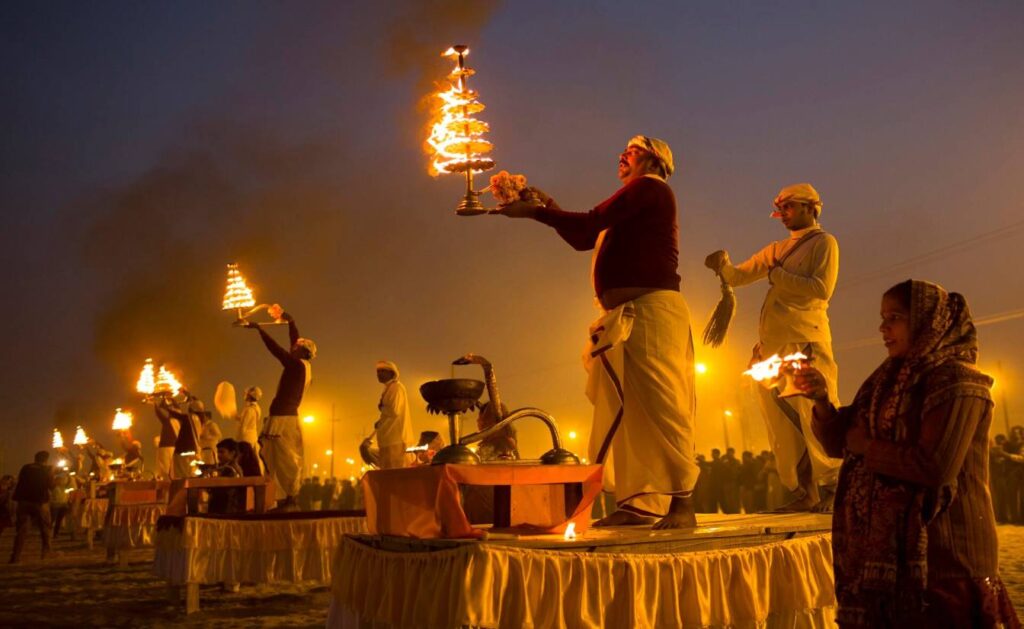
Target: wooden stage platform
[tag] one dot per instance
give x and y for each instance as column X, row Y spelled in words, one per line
column 757, row 570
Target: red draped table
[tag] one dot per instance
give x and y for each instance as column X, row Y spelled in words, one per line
column 433, row 501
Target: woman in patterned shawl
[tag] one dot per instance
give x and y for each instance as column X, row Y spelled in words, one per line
column 913, row 535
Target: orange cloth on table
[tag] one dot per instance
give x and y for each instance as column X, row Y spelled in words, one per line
column 424, row 502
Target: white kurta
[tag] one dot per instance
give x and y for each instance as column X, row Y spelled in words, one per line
column 641, row 383
column 249, row 423
column 795, row 317
column 394, row 427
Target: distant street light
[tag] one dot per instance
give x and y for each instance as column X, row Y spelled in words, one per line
column 329, row 453
column 308, row 419
column 701, row 368
column 572, row 434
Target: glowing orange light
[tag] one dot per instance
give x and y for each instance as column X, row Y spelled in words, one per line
column 58, row 439
column 237, row 294
column 122, row 420
column 769, row 369
column 147, row 379
column 166, row 382
column 570, row 532
column 80, row 438
column 456, row 139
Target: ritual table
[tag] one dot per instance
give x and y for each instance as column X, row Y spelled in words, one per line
column 430, row 501
column 135, row 507
column 249, row 548
column 92, row 513
column 730, row 572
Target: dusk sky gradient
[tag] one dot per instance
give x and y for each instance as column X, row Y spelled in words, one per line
column 147, row 144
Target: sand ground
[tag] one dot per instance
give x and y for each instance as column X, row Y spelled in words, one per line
column 78, row 588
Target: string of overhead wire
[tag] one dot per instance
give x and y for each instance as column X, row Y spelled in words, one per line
column 956, row 247
column 1009, row 315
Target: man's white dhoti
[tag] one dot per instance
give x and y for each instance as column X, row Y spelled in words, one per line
column 282, row 452
column 182, row 467
column 640, row 361
column 789, row 419
column 164, row 458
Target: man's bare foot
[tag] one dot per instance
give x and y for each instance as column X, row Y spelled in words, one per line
column 681, row 515
column 676, row 521
column 623, row 517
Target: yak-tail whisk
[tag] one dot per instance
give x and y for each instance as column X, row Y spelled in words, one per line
column 718, row 325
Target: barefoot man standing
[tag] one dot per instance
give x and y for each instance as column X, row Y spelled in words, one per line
column 281, row 441
column 640, row 357
column 802, row 271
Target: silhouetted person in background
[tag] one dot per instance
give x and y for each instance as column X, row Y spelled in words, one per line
column 32, row 493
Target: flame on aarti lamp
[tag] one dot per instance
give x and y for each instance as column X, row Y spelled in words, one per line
column 122, row 420
column 769, row 369
column 58, row 439
column 80, row 438
column 570, row 532
column 147, row 379
column 166, row 382
column 237, row 294
column 456, row 143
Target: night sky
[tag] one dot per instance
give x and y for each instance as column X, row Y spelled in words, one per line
column 147, row 144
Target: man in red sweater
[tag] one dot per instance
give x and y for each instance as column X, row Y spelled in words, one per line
column 641, row 348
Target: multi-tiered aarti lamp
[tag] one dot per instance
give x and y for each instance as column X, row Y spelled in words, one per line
column 80, row 437
column 58, row 440
column 239, row 297
column 156, row 382
column 457, row 137
column 122, row 420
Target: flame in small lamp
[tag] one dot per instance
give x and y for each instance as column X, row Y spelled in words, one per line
column 778, row 372
column 166, row 382
column 58, row 439
column 237, row 295
column 147, row 379
column 122, row 420
column 570, row 532
column 456, row 140
column 80, row 438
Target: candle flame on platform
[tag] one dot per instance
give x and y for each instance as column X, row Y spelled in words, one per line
column 456, row 139
column 237, row 294
column 769, row 369
column 570, row 532
column 147, row 379
column 122, row 420
column 58, row 439
column 80, row 438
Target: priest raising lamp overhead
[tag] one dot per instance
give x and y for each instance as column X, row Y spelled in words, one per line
column 456, row 138
column 238, row 297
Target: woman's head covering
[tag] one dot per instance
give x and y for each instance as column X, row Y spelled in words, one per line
column 941, row 327
column 254, row 393
column 656, row 147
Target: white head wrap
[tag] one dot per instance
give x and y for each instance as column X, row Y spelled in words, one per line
column 658, row 148
column 390, row 366
column 800, row 192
